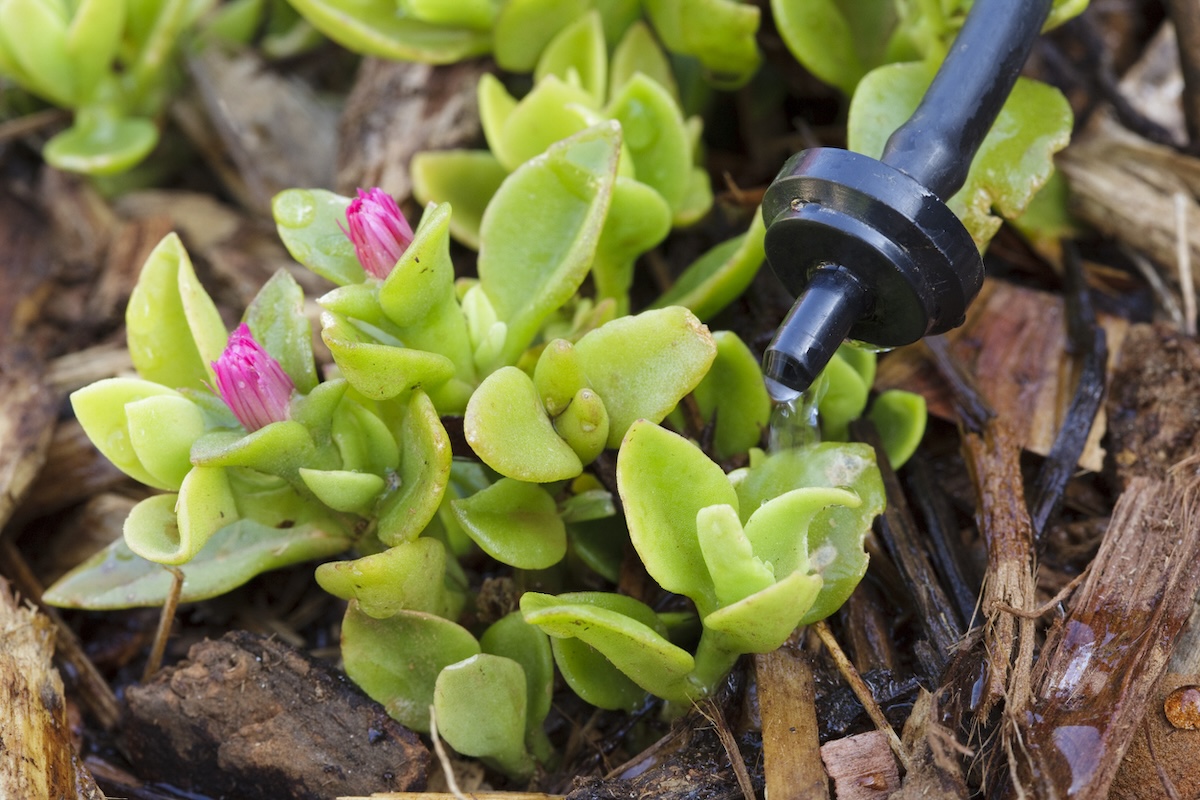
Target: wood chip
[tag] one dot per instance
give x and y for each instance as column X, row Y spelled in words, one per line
column 37, row 758
column 791, row 748
column 862, row 767
column 1099, row 666
column 250, row 717
column 1015, row 344
column 396, row 110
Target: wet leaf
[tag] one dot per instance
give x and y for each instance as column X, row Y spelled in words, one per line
column 407, row 577
column 734, row 395
column 465, row 179
column 481, row 710
column 579, row 50
column 424, row 472
column 311, row 224
column 515, row 523
column 720, row 275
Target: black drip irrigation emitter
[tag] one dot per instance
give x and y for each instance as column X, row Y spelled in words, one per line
column 868, row 246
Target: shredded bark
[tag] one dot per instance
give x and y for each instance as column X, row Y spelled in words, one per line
column 791, row 744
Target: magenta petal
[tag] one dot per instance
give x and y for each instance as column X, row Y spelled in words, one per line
column 378, row 230
column 251, row 382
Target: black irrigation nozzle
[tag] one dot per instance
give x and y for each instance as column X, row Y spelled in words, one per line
column 868, row 246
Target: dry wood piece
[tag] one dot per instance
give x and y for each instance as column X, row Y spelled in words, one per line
column 862, row 767
column 933, row 756
column 73, row 471
column 27, row 411
column 250, row 717
column 1015, row 343
column 37, row 758
column 1100, row 665
column 398, row 109
column 1154, row 402
column 791, row 750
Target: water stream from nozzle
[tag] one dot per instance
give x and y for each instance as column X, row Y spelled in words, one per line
column 794, row 422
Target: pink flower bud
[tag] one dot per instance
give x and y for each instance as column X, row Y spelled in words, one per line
column 251, row 382
column 379, row 231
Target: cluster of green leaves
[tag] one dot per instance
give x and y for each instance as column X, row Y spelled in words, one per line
column 719, row 34
column 108, row 60
column 884, row 54
column 658, row 184
column 545, row 381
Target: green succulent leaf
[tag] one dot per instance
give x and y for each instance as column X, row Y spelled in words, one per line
column 533, row 259
column 553, row 111
column 101, row 410
column 363, row 440
column 515, row 523
column 843, row 400
column 558, row 376
column 734, row 395
column 1014, row 161
column 36, row 41
column 373, row 27
column 396, row 661
column 654, row 132
column 276, row 318
column 642, row 366
column 778, row 529
column 720, row 33
column 583, row 425
column 382, row 371
column 481, row 704
column 425, row 458
column 161, row 431
column 117, row 578
column 664, row 481
column 578, row 52
column 344, row 490
column 509, row 430
column 720, row 275
column 512, row 637
column 639, row 52
column 464, row 179
column 477, row 14
column 92, row 40
column 900, row 417
column 763, row 621
column 310, row 223
column 638, row 219
column 173, row 328
column 100, row 143
column 836, row 41
column 280, row 448
column 735, row 570
column 523, row 28
column 407, row 577
column 638, row 650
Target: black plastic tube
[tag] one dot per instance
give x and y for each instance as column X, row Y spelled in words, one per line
column 936, row 145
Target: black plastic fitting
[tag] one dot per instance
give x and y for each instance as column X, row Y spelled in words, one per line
column 868, row 246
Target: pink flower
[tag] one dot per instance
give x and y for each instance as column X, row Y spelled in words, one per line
column 379, row 231
column 251, row 382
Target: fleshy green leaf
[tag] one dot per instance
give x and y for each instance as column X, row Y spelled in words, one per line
column 515, row 523
column 512, row 637
column 276, row 318
column 578, row 49
column 373, row 27
column 558, row 376
column 481, row 706
column 308, row 223
column 173, row 328
column 733, row 393
column 638, row 51
column 508, row 429
column 843, row 401
column 477, row 14
column 553, row 111
column 396, row 660
column 382, row 371
column 363, row 440
column 778, row 529
column 654, row 132
column 664, row 481
column 735, row 570
column 900, row 417
column 642, row 366
column 584, row 425
column 100, row 409
column 466, row 179
column 836, row 41
column 92, row 41
column 720, row 33
column 116, row 578
column 280, row 448
column 635, row 648
column 523, row 28
column 36, row 37
column 100, row 143
column 763, row 621
column 535, row 253
column 424, row 472
column 344, row 490
column 161, row 431
column 408, row 577
column 720, row 275
column 638, row 219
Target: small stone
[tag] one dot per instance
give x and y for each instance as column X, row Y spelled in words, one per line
column 1182, row 707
